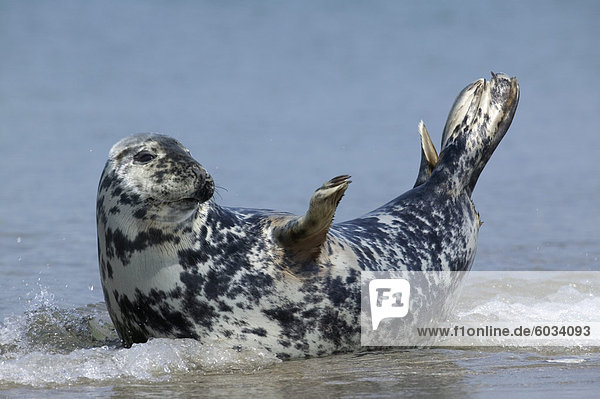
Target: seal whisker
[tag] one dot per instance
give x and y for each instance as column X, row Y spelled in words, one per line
column 218, row 189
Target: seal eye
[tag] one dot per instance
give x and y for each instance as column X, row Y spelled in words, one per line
column 143, row 157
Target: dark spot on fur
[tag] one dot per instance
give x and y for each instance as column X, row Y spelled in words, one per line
column 261, row 332
column 109, row 269
column 337, row 330
column 216, row 284
column 227, row 333
column 140, row 213
column 254, row 286
column 311, row 313
column 223, row 307
column 159, row 175
column 336, row 290
column 189, row 258
column 129, row 199
column 122, row 247
column 292, row 327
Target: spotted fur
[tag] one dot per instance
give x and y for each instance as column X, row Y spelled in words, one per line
column 174, row 263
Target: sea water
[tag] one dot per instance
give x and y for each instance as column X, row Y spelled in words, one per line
column 274, row 98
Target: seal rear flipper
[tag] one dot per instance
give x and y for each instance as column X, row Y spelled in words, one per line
column 477, row 122
column 429, row 156
column 303, row 236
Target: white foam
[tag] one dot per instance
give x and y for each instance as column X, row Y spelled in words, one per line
column 567, row 361
column 539, row 296
column 156, row 360
column 49, row 345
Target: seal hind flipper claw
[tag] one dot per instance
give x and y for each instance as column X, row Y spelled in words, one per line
column 303, row 236
column 429, row 155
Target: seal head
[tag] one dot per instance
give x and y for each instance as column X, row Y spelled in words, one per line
column 156, row 177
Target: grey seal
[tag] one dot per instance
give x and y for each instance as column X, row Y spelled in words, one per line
column 174, row 263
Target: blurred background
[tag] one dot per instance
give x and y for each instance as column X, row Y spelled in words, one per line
column 274, row 98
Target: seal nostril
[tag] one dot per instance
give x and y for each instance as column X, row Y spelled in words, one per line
column 204, row 184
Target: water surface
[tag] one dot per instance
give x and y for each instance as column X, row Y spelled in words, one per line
column 274, row 98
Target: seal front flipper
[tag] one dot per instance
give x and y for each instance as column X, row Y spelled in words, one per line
column 429, row 156
column 303, row 236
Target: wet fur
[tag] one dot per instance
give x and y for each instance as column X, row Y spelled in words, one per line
column 174, row 263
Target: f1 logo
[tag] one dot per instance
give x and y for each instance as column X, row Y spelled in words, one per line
column 389, row 298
